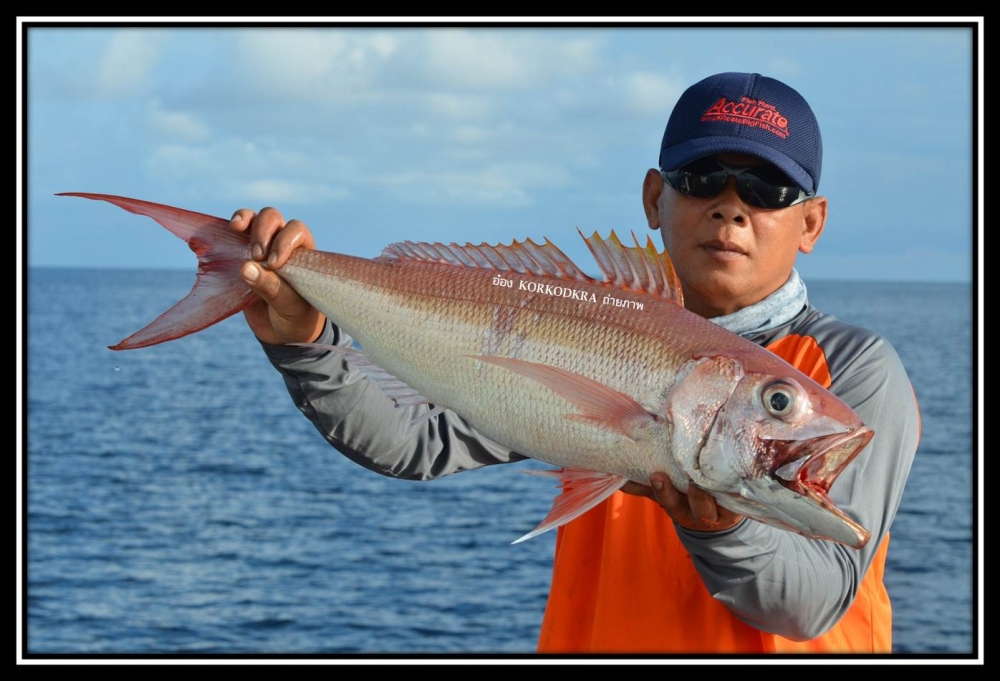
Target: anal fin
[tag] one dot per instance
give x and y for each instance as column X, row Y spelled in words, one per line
column 582, row 491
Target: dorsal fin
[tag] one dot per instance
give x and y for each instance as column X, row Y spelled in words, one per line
column 636, row 267
column 522, row 257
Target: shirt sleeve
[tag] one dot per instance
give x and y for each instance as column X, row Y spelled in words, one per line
column 356, row 417
column 788, row 584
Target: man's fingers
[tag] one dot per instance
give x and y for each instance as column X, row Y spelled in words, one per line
column 637, row 489
column 666, row 495
column 241, row 220
column 694, row 509
column 703, row 507
column 267, row 223
column 264, row 283
column 294, row 235
column 271, row 239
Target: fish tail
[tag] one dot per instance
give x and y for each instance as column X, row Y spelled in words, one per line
column 218, row 291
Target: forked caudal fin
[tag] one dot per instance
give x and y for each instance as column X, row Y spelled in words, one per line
column 218, row 291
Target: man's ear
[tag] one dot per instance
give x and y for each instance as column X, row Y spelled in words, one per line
column 652, row 187
column 814, row 219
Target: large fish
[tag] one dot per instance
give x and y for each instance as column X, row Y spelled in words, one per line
column 609, row 381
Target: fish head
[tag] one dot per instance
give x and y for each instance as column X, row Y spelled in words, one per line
column 769, row 443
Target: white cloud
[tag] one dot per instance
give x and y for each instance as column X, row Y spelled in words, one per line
column 275, row 191
column 245, row 173
column 272, row 174
column 458, row 107
column 175, row 125
column 507, row 185
column 314, row 64
column 382, row 44
column 651, row 94
column 514, row 59
column 784, row 68
column 128, row 61
column 471, row 134
column 175, row 158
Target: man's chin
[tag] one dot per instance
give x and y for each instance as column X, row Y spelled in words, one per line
column 714, row 294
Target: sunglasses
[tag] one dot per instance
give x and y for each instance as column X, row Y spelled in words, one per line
column 763, row 186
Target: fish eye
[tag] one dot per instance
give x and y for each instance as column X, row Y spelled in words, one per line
column 779, row 398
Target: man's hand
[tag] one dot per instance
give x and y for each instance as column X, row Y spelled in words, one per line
column 695, row 510
column 282, row 315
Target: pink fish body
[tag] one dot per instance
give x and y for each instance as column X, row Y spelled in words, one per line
column 609, row 381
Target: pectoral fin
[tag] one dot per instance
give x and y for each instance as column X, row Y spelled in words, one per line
column 582, row 491
column 598, row 404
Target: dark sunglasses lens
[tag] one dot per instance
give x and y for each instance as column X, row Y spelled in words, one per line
column 764, row 187
column 702, row 186
column 696, row 182
column 762, row 194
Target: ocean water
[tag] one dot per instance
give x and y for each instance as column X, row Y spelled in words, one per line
column 178, row 504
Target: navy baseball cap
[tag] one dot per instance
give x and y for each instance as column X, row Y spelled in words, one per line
column 745, row 113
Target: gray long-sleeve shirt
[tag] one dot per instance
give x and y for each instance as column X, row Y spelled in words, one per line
column 772, row 579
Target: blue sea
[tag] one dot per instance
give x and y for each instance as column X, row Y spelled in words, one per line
column 178, row 504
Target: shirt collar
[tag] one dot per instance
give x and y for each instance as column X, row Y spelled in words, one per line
column 771, row 312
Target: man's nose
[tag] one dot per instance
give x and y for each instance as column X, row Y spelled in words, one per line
column 728, row 206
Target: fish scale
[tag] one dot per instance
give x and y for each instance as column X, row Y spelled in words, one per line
column 434, row 326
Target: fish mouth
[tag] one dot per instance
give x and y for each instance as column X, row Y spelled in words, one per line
column 809, row 468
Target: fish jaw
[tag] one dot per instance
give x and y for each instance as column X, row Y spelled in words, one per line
column 775, row 465
column 795, row 495
column 813, row 466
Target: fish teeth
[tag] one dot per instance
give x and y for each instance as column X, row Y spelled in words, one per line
column 791, row 469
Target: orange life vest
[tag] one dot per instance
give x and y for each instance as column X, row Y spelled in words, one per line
column 634, row 589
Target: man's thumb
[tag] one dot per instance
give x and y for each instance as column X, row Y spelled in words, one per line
column 264, row 284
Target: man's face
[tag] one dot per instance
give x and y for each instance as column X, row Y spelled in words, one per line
column 727, row 253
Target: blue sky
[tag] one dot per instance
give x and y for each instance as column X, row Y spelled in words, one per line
column 478, row 133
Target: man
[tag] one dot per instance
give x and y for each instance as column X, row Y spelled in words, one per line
column 735, row 201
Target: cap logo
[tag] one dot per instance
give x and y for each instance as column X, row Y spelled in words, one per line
column 755, row 113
